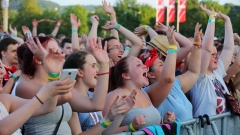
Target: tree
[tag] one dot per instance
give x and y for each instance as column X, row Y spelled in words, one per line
column 147, row 15
column 81, row 12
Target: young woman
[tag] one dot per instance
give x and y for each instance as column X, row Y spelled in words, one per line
column 210, row 85
column 131, row 74
column 14, row 111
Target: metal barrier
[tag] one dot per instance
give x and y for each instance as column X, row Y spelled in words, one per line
column 222, row 124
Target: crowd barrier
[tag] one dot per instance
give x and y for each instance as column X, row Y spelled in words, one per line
column 222, row 124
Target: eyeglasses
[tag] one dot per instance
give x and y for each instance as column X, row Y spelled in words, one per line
column 116, row 48
column 215, row 55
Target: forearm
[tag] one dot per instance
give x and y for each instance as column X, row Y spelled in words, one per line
column 92, row 33
column 195, row 60
column 55, row 31
column 8, row 86
column 152, row 33
column 19, row 40
column 75, row 124
column 114, row 126
column 34, row 31
column 18, row 117
column 75, row 41
column 113, row 31
column 100, row 92
column 228, row 39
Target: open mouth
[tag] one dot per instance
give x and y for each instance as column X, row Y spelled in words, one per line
column 119, row 56
column 145, row 74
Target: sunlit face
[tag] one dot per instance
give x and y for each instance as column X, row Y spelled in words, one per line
column 90, row 71
column 67, row 49
column 213, row 64
column 2, row 73
column 10, row 54
column 137, row 72
column 157, row 68
column 115, row 50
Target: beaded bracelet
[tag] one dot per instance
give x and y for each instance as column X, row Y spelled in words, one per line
column 117, row 26
column 131, row 128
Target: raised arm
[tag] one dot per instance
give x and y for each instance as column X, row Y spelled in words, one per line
column 109, row 10
column 228, row 45
column 76, row 23
column 14, row 35
column 142, row 30
column 137, row 43
column 189, row 78
column 160, row 89
column 93, row 32
column 207, row 44
column 35, row 24
column 56, row 28
column 100, row 91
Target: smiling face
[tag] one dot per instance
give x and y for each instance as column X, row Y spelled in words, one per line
column 157, row 68
column 137, row 72
column 213, row 64
column 115, row 50
column 90, row 71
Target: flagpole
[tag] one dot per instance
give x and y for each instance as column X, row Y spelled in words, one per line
column 178, row 2
column 167, row 23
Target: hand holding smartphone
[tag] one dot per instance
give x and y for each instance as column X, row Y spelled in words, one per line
column 70, row 73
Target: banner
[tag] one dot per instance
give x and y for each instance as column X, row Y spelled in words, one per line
column 171, row 10
column 182, row 10
column 160, row 11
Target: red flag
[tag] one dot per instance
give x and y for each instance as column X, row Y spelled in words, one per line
column 160, row 11
column 171, row 10
column 182, row 10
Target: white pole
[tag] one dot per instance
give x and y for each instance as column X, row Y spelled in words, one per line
column 5, row 4
column 178, row 2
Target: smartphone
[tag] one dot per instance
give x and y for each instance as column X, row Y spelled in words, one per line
column 70, row 73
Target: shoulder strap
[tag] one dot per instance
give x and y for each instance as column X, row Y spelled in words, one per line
column 59, row 122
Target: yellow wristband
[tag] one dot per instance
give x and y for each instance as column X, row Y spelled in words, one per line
column 132, row 128
column 172, row 47
column 212, row 15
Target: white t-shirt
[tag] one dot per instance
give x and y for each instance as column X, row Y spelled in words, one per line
column 206, row 95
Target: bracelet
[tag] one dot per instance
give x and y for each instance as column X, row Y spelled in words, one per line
column 131, row 128
column 172, row 51
column 127, row 48
column 14, row 76
column 172, row 47
column 211, row 20
column 146, row 28
column 14, row 35
column 54, row 76
column 104, row 123
column 117, row 26
column 38, row 99
column 74, row 31
column 197, row 43
column 212, row 15
column 99, row 74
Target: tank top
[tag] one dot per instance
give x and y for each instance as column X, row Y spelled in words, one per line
column 152, row 116
column 4, row 113
column 46, row 124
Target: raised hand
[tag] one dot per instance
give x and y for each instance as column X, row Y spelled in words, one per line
column 25, row 30
column 54, row 60
column 170, row 36
column 197, row 33
column 109, row 25
column 75, row 22
column 94, row 19
column 96, row 50
column 108, row 8
column 54, row 88
column 169, row 117
column 160, row 26
column 222, row 16
column 35, row 22
column 37, row 49
column 138, row 121
column 236, row 38
column 58, row 24
column 209, row 12
column 140, row 30
column 13, row 31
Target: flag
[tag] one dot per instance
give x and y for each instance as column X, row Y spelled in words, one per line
column 160, row 11
column 182, row 10
column 171, row 10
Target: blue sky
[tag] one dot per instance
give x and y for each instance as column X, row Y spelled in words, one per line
column 99, row 2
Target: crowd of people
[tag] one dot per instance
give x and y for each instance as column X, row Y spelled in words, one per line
column 154, row 76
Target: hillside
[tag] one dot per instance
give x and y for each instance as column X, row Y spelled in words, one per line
column 14, row 4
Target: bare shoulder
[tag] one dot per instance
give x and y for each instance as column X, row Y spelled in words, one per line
column 27, row 89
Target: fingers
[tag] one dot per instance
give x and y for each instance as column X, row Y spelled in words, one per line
column 99, row 43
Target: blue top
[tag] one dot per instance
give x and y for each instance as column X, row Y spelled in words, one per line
column 176, row 102
column 88, row 120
